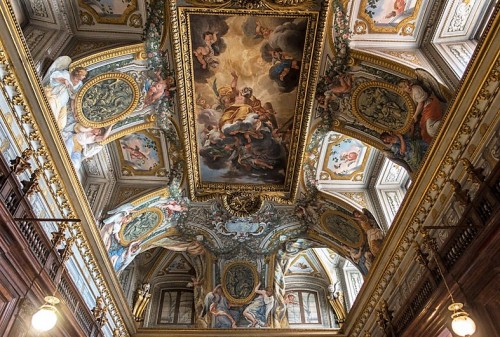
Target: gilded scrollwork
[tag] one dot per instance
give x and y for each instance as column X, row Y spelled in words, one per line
column 242, row 203
column 455, row 149
column 112, row 15
column 378, row 21
column 251, row 157
column 43, row 158
column 254, row 4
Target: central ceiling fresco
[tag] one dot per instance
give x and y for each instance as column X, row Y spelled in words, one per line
column 219, row 135
column 247, row 76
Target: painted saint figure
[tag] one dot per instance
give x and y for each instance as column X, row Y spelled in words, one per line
column 258, row 311
column 83, row 143
column 374, row 234
column 428, row 109
column 405, row 150
column 122, row 256
column 218, row 306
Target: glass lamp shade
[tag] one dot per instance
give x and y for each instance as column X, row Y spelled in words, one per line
column 46, row 317
column 461, row 324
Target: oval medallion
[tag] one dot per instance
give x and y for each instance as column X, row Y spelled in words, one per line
column 383, row 107
column 106, row 99
column 141, row 225
column 238, row 282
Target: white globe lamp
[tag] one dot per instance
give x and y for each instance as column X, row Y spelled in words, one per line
column 462, row 324
column 46, row 317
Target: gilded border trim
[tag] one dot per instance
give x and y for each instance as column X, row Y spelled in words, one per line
column 351, row 176
column 137, row 49
column 385, row 30
column 152, row 171
column 253, row 269
column 110, row 20
column 282, row 193
column 127, row 131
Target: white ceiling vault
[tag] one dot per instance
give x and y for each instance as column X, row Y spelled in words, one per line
column 213, row 133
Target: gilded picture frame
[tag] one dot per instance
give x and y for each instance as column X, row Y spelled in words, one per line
column 239, row 290
column 222, row 160
column 118, row 108
column 383, row 107
column 137, row 219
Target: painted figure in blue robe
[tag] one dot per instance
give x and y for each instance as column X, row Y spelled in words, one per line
column 258, row 311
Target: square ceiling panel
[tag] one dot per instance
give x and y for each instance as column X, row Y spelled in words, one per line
column 111, row 16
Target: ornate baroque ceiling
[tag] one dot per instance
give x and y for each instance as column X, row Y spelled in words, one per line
column 219, row 103
column 238, row 129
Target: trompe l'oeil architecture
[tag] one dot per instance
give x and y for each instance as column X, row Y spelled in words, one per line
column 223, row 168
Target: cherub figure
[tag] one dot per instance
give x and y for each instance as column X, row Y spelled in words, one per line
column 159, row 88
column 342, row 87
column 263, row 31
column 205, row 54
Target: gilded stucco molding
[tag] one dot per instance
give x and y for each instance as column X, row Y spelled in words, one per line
column 255, row 4
column 203, row 191
column 137, row 49
column 111, row 19
column 85, row 101
column 43, row 159
column 471, row 116
column 30, row 127
column 243, row 265
column 359, row 55
column 360, row 114
column 127, row 131
column 391, row 29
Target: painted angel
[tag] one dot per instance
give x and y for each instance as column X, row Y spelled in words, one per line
column 122, row 256
column 113, row 224
column 404, row 150
column 61, row 86
column 84, row 142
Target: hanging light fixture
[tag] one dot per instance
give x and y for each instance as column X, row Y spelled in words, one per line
column 46, row 317
column 461, row 323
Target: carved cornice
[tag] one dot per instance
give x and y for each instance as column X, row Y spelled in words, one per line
column 44, row 157
column 465, row 115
